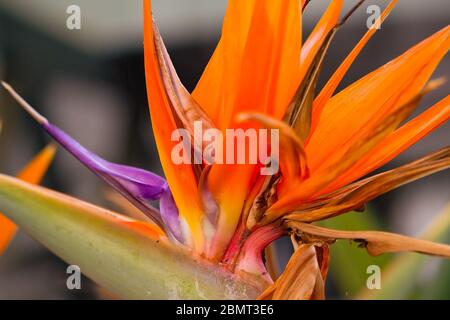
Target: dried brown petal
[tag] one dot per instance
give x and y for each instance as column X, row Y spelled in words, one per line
column 270, row 253
column 265, row 197
column 323, row 256
column 305, row 4
column 299, row 114
column 185, row 109
column 356, row 195
column 298, row 281
column 374, row 186
column 375, row 242
column 319, row 289
column 351, row 12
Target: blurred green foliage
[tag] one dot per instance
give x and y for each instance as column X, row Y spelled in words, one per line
column 348, row 264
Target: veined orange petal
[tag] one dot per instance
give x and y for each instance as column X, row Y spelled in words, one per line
column 397, row 142
column 181, row 178
column 32, row 173
column 336, row 78
column 257, row 62
column 357, row 109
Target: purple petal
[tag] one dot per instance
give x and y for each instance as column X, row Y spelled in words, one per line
column 170, row 216
column 137, row 185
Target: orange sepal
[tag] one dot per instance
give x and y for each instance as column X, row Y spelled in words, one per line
column 181, row 177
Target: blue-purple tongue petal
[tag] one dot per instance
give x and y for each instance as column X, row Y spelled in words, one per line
column 137, row 185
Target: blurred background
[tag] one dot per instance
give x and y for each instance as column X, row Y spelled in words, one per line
column 90, row 82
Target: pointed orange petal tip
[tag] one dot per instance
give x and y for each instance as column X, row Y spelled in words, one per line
column 7, row 231
column 36, row 169
column 32, row 173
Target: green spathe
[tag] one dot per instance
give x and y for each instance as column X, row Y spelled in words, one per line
column 111, row 253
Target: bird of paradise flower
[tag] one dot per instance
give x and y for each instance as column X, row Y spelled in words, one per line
column 214, row 221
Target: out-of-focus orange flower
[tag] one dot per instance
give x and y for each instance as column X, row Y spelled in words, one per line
column 32, row 173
